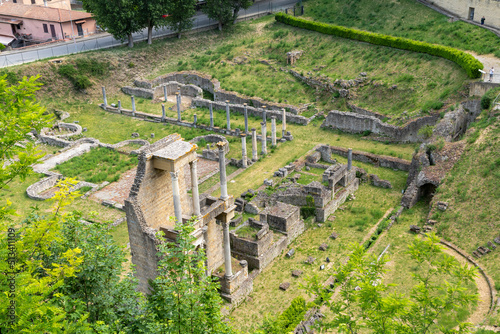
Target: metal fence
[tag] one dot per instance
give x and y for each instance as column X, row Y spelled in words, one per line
column 103, row 41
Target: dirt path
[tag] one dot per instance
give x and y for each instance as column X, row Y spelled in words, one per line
column 483, row 305
column 489, row 61
column 367, row 236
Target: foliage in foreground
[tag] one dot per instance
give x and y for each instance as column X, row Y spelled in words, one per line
column 366, row 303
column 184, row 298
column 470, row 64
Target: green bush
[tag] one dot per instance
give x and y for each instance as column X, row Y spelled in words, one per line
column 288, row 320
column 82, row 82
column 2, row 46
column 426, row 131
column 488, row 98
column 470, row 64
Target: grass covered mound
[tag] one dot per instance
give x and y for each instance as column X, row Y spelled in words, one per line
column 403, row 18
column 98, row 165
column 473, row 193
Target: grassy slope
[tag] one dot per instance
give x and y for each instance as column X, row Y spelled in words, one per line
column 419, row 78
column 405, row 18
column 473, row 193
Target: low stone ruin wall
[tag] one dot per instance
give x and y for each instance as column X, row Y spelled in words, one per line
column 207, row 83
column 212, row 154
column 356, row 123
column 455, row 123
column 378, row 160
column 365, row 112
column 339, row 198
column 257, row 112
column 157, row 91
column 34, row 190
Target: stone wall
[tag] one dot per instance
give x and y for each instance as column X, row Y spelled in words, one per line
column 455, row 123
column 374, row 159
column 34, row 190
column 356, row 123
column 157, row 91
column 490, row 9
column 339, row 198
column 235, row 98
column 365, row 112
column 253, row 111
column 479, row 88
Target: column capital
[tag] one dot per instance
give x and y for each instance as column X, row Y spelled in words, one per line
column 175, row 175
column 194, row 162
column 221, row 145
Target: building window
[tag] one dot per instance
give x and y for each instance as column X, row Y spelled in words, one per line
column 33, row 2
column 15, row 1
column 45, row 28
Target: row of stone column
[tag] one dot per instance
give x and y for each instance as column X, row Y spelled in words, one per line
column 228, row 118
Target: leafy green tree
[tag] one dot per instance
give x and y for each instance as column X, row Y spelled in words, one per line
column 151, row 14
column 121, row 18
column 220, row 11
column 97, row 285
column 180, row 15
column 364, row 302
column 29, row 298
column 237, row 5
column 184, row 298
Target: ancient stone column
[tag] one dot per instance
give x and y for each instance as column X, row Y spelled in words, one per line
column 211, row 115
column 119, row 106
column 222, row 169
column 178, row 97
column 254, row 145
column 227, row 249
column 244, row 150
column 283, row 120
column 227, row 115
column 177, row 196
column 195, row 119
column 264, row 138
column 194, row 188
column 246, row 117
column 264, row 114
column 273, row 130
column 349, row 159
column 133, row 105
column 104, row 96
column 163, row 115
column 165, row 93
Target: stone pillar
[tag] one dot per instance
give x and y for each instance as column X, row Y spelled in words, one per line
column 254, row 145
column 228, row 116
column 194, row 188
column 273, row 131
column 246, row 117
column 177, row 196
column 211, row 115
column 195, row 119
column 119, row 106
column 104, row 96
column 264, row 138
column 227, row 249
column 349, row 159
column 244, row 150
column 222, row 169
column 165, row 93
column 264, row 114
column 163, row 115
column 283, row 120
column 178, row 97
column 133, row 104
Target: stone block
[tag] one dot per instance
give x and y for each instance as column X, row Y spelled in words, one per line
column 290, row 252
column 323, row 247
column 442, row 205
column 415, row 228
column 268, row 183
column 431, row 222
column 134, row 135
column 252, row 208
column 296, row 273
column 476, row 254
column 334, row 235
column 310, row 260
column 491, row 245
column 284, row 286
column 497, row 240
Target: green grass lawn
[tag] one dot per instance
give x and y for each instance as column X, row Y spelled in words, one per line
column 98, row 165
column 404, row 18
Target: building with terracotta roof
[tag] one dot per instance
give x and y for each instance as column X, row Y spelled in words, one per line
column 41, row 24
column 64, row 4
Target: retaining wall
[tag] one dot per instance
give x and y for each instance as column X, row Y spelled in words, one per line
column 378, row 160
column 356, row 123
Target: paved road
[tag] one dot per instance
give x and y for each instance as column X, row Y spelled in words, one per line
column 105, row 40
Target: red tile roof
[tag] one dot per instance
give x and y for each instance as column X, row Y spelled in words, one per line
column 41, row 13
